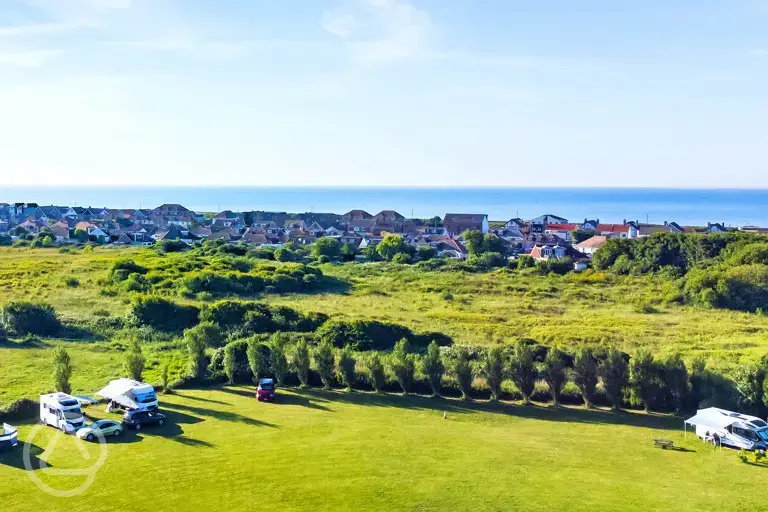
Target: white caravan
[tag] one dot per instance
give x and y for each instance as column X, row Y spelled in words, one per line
column 129, row 394
column 730, row 428
column 62, row 411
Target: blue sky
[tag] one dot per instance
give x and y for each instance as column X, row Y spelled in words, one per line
column 384, row 92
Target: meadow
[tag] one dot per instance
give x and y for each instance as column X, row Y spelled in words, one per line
column 335, row 450
column 323, row 450
column 473, row 308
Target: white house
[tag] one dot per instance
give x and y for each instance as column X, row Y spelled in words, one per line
column 592, row 244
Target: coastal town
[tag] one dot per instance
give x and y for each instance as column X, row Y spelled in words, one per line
column 544, row 237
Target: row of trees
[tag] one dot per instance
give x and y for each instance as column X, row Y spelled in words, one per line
column 641, row 380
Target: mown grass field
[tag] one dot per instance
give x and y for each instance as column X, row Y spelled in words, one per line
column 315, row 450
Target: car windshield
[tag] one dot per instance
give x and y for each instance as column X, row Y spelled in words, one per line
column 145, row 399
column 74, row 416
column 267, row 386
column 763, row 434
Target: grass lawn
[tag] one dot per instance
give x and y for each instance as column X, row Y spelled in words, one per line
column 316, row 450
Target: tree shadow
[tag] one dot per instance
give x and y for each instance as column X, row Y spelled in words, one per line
column 239, row 392
column 189, row 441
column 14, row 458
column 303, row 401
column 221, row 415
column 459, row 407
column 681, row 449
column 200, row 399
column 33, row 342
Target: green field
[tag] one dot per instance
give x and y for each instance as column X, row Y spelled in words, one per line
column 481, row 309
column 315, row 450
column 328, row 450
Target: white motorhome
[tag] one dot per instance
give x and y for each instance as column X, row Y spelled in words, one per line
column 129, row 394
column 730, row 428
column 62, row 411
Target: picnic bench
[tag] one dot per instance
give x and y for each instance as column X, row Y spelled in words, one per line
column 664, row 443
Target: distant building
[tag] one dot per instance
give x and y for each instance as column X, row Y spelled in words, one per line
column 591, row 245
column 456, row 223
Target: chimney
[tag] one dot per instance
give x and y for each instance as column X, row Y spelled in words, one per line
column 665, row 223
column 624, row 222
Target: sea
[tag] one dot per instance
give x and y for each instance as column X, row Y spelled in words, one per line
column 733, row 207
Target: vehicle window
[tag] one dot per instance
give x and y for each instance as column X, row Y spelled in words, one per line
column 759, row 423
column 763, row 434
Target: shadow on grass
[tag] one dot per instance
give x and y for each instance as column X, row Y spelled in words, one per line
column 281, row 398
column 220, row 415
column 201, row 399
column 239, row 392
column 303, row 401
column 452, row 406
column 679, row 449
column 189, row 441
column 14, row 458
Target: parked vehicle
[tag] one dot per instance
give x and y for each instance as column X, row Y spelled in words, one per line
column 729, row 428
column 129, row 394
column 62, row 411
column 103, row 427
column 138, row 418
column 9, row 437
column 266, row 390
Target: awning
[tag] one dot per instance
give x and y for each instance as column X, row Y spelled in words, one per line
column 9, row 434
column 712, row 418
column 116, row 388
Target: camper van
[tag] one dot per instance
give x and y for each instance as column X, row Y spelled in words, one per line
column 129, row 394
column 61, row 411
column 729, row 428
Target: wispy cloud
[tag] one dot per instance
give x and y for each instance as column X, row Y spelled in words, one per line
column 379, row 31
column 38, row 29
column 221, row 50
column 760, row 52
column 30, row 59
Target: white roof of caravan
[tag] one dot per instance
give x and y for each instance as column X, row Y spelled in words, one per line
column 119, row 387
column 718, row 418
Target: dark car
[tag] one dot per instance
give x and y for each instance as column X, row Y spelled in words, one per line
column 137, row 418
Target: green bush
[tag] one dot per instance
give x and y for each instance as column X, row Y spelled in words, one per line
column 346, row 364
column 392, row 245
column 326, row 247
column 522, row 370
column 300, row 362
column 613, row 373
column 22, row 318
column 162, row 314
column 585, row 375
column 462, row 372
column 121, row 269
column 553, row 372
column 401, row 363
column 489, row 260
column 134, row 361
column 364, row 335
column 324, row 361
column 376, row 374
column 62, row 370
column 432, row 366
column 401, row 258
column 492, row 368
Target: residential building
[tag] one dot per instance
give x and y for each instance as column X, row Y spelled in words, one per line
column 591, row 245
column 456, row 223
